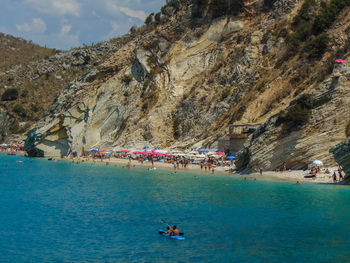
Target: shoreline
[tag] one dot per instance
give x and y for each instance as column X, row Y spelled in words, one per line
column 285, row 176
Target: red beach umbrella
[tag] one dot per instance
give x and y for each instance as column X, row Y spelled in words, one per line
column 339, row 61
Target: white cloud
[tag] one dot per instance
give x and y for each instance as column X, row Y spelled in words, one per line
column 65, row 29
column 134, row 13
column 112, row 8
column 114, row 31
column 56, row 7
column 37, row 26
column 66, row 38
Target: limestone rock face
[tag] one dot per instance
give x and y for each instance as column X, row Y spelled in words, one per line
column 176, row 85
column 342, row 156
column 270, row 146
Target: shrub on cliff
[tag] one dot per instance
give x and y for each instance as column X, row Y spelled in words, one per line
column 149, row 19
column 296, row 115
column 220, row 8
column 157, row 17
column 199, row 8
column 172, row 3
column 127, row 78
column 328, row 15
column 9, row 94
column 19, row 110
column 317, row 46
column 347, row 130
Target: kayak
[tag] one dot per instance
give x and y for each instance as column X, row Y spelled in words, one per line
column 162, row 232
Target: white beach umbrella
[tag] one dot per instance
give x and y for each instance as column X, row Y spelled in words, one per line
column 317, row 163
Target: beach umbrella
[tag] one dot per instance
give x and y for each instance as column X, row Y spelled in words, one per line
column 75, row 152
column 94, row 151
column 102, row 151
column 317, row 163
column 146, row 147
column 339, row 61
column 232, row 157
column 220, row 153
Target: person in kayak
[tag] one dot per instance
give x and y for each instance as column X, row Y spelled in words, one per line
column 169, row 231
column 175, row 231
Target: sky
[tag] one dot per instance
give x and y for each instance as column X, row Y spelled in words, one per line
column 64, row 24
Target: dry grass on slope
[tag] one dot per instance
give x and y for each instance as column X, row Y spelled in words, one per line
column 15, row 51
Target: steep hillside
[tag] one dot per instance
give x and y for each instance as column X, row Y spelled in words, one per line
column 183, row 79
column 15, row 51
column 29, row 86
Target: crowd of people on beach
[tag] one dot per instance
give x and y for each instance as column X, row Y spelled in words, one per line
column 206, row 163
column 315, row 171
column 11, row 148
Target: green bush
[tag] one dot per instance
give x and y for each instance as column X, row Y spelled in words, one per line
column 304, row 14
column 321, row 101
column 87, row 59
column 149, row 19
column 220, row 8
column 157, row 17
column 14, row 128
column 317, row 46
column 199, row 8
column 19, row 110
column 34, row 107
column 225, row 93
column 328, row 15
column 127, row 78
column 347, row 130
column 296, row 115
column 268, row 4
column 299, row 113
column 24, row 93
column 9, row 94
column 173, row 3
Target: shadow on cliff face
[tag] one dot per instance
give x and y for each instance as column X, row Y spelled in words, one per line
column 59, row 147
column 29, row 145
column 243, row 160
column 342, row 156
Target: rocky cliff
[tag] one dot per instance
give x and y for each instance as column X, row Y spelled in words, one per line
column 37, row 75
column 182, row 81
column 342, row 156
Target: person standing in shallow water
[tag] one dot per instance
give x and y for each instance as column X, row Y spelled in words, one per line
column 334, row 177
column 340, row 175
column 260, row 171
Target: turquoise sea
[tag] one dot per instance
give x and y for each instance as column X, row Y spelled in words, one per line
column 64, row 212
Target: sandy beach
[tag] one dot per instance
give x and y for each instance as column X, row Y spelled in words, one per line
column 288, row 176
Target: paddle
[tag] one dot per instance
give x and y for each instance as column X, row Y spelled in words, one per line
column 181, row 234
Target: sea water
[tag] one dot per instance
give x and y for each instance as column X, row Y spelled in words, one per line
column 64, row 212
